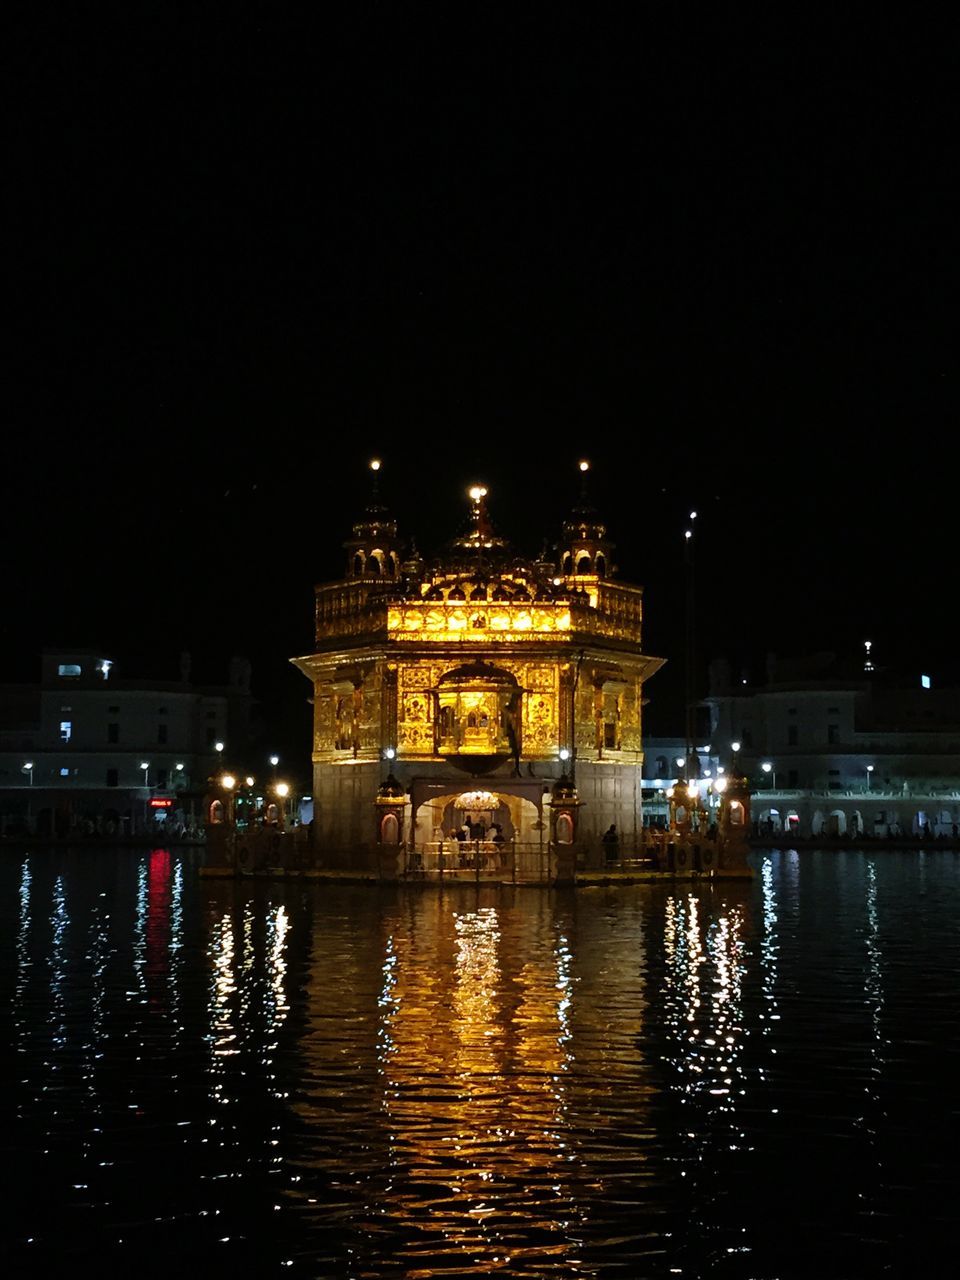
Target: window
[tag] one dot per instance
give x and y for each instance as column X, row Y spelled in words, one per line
column 791, row 735
column 114, row 711
column 833, row 733
column 161, row 733
column 161, row 711
column 64, row 773
column 610, row 735
column 211, row 737
column 748, row 737
column 793, row 779
column 162, row 775
column 833, row 711
column 113, row 777
column 113, row 732
column 211, row 715
column 69, row 670
column 66, row 730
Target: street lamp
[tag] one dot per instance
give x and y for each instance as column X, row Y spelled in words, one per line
column 768, row 768
column 218, row 747
column 869, row 771
column 145, row 766
column 28, row 770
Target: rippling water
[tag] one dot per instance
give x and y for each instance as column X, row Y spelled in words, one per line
column 264, row 1078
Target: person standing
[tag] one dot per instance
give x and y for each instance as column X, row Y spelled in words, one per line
column 611, row 843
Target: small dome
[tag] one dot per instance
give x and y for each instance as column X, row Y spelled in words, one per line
column 391, row 787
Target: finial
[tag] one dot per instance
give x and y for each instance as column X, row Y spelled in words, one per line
column 481, row 523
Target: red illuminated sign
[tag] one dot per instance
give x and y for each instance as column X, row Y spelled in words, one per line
column 160, row 802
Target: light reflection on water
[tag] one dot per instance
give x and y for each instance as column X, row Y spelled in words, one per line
column 667, row 1080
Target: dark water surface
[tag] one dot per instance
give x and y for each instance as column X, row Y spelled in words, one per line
column 266, row 1079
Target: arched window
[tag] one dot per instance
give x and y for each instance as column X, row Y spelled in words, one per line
column 446, row 722
column 583, row 564
column 568, row 563
column 736, row 813
column 389, row 829
column 373, row 566
column 358, row 565
column 601, row 565
column 216, row 813
column 564, row 829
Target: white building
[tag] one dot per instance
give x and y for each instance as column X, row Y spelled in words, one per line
column 86, row 751
column 834, row 752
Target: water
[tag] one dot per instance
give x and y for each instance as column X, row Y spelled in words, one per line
column 754, row 1080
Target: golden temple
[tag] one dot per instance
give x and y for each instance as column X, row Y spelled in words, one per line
column 479, row 673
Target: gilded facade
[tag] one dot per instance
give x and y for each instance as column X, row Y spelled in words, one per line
column 480, row 667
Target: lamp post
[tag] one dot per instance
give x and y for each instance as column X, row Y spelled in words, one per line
column 218, row 747
column 869, row 771
column 282, row 790
column 145, row 766
column 28, row 770
column 768, row 768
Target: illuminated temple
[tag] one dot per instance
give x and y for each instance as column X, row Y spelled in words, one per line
column 479, row 690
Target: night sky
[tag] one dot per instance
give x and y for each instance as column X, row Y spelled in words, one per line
column 714, row 254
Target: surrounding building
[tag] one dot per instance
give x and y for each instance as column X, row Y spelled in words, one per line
column 837, row 751
column 483, row 690
column 87, row 751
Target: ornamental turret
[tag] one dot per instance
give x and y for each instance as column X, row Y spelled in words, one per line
column 584, row 552
column 373, row 553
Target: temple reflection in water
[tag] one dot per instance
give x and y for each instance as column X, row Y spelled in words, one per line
column 482, row 692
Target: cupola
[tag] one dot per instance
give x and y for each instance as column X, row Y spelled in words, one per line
column 584, row 552
column 373, row 553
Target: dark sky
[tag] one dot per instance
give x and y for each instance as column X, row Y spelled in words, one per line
column 713, row 253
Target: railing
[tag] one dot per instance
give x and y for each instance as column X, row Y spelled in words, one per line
column 480, row 860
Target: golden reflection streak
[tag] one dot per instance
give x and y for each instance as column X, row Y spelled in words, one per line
column 275, row 1004
column 707, row 1023
column 473, row 1087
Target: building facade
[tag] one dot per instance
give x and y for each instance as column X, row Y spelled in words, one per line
column 842, row 753
column 88, row 752
column 467, row 690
